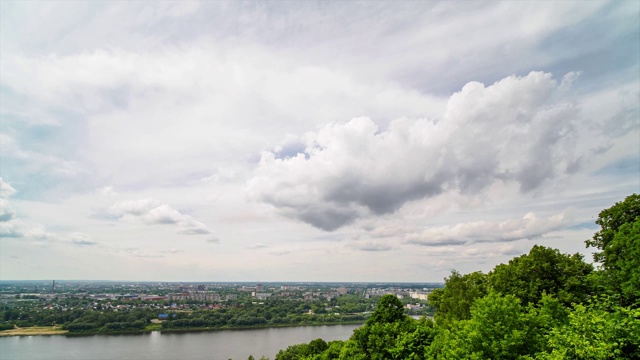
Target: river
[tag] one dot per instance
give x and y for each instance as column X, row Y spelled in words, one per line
column 210, row 345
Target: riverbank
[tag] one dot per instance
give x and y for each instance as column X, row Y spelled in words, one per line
column 56, row 330
column 34, row 330
column 256, row 327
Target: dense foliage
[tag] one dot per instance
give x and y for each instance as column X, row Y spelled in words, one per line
column 274, row 312
column 541, row 305
column 78, row 319
column 76, row 315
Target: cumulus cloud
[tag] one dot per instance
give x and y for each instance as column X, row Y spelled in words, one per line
column 370, row 246
column 6, row 213
column 6, row 190
column 10, row 229
column 10, row 226
column 519, row 130
column 80, row 239
column 528, row 227
column 20, row 230
column 152, row 212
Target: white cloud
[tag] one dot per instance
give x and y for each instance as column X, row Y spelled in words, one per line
column 152, row 212
column 519, row 130
column 80, row 239
column 18, row 229
column 528, row 227
column 6, row 190
column 10, row 229
column 6, row 213
column 370, row 246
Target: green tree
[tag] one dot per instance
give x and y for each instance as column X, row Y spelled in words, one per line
column 379, row 334
column 293, row 352
column 454, row 301
column 351, row 351
column 499, row 328
column 317, row 346
column 610, row 220
column 543, row 270
column 313, row 350
column 594, row 332
column 390, row 309
column 414, row 345
column 376, row 340
column 619, row 243
column 624, row 262
column 333, row 350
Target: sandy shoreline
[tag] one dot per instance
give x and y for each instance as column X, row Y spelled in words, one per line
column 35, row 330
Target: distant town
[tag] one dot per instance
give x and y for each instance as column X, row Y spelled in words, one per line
column 111, row 306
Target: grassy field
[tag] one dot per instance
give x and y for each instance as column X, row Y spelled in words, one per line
column 153, row 327
column 35, row 330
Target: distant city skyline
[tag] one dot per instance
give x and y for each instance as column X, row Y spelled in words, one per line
column 309, row 141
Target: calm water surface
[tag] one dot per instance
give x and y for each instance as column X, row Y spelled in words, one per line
column 214, row 345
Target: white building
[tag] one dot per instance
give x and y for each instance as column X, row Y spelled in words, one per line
column 419, row 295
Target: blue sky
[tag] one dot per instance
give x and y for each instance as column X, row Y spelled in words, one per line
column 309, row 141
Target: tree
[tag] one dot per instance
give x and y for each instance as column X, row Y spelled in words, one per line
column 375, row 339
column 293, row 352
column 351, row 351
column 625, row 264
column 610, row 220
column 619, row 242
column 499, row 328
column 332, row 352
column 595, row 332
column 390, row 309
column 414, row 345
column 312, row 350
column 317, row 346
column 543, row 270
column 454, row 301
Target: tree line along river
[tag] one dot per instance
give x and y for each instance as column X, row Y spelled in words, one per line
column 206, row 345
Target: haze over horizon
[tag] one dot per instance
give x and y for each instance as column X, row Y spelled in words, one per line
column 300, row 141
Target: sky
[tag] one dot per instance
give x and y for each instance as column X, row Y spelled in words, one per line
column 309, row 141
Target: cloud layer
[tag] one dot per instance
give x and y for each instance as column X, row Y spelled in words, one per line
column 519, row 130
column 407, row 129
column 528, row 227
